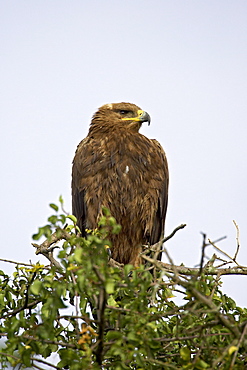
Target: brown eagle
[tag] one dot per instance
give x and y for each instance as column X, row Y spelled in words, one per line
column 117, row 167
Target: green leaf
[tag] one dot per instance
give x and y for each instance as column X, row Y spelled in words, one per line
column 61, row 199
column 69, row 228
column 62, row 219
column 54, row 206
column 106, row 211
column 232, row 349
column 140, row 318
column 72, row 218
column 26, row 354
column 185, row 354
column 36, row 287
column 78, row 255
column 38, row 235
column 114, row 335
column 200, row 364
column 53, row 219
column 112, row 302
column 110, row 287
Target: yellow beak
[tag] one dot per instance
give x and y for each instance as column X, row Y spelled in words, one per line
column 142, row 116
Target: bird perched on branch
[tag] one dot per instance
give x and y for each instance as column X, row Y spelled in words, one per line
column 117, row 167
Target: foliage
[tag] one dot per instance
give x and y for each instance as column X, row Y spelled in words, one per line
column 99, row 316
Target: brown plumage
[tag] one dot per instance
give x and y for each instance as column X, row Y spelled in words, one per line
column 117, row 167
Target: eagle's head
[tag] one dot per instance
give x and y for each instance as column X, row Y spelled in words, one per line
column 125, row 115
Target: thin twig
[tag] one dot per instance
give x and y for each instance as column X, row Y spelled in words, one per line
column 31, row 358
column 208, row 302
column 238, row 241
column 203, row 252
column 223, row 354
column 43, row 362
column 217, row 240
column 25, row 306
column 72, row 317
column 156, row 246
column 221, row 251
column 188, row 337
column 191, row 271
column 182, row 226
column 16, row 263
column 238, row 346
column 62, row 344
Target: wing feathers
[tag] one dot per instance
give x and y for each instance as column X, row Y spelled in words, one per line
column 127, row 173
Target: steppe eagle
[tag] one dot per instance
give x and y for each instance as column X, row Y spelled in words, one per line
column 117, row 167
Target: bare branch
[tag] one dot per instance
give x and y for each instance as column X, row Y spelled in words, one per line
column 217, row 240
column 221, row 251
column 189, row 271
column 42, row 362
column 46, row 249
column 58, row 343
column 182, row 226
column 238, row 241
column 16, row 263
column 203, row 252
column 114, row 263
column 174, row 339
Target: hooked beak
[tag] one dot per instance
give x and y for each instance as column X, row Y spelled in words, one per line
column 142, row 116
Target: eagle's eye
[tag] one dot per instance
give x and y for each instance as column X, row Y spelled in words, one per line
column 123, row 111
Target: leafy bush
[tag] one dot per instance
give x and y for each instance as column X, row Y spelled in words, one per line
column 97, row 314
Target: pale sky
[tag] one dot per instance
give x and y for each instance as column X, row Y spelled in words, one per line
column 184, row 62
